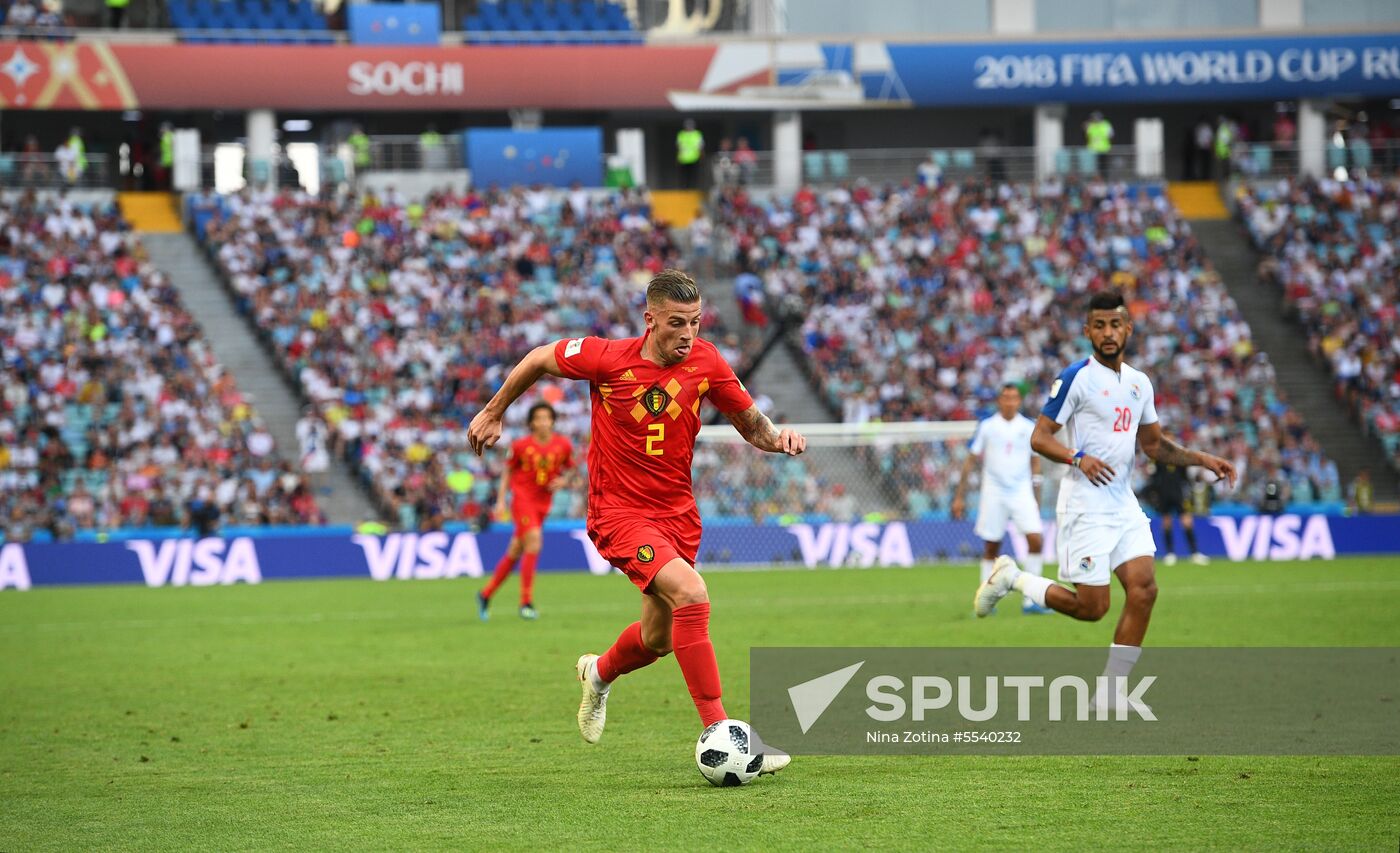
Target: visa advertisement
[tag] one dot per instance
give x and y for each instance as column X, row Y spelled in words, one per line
column 425, row 556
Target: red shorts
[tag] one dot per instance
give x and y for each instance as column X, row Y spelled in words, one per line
column 640, row 546
column 528, row 515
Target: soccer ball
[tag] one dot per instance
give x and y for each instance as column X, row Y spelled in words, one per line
column 723, row 755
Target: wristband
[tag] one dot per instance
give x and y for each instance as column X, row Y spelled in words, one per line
column 1037, row 480
column 1075, row 459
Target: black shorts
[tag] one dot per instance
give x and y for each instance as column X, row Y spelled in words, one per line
column 1169, row 506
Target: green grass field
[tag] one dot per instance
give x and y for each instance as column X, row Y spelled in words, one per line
column 384, row 716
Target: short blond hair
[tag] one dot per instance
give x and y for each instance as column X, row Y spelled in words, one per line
column 672, row 286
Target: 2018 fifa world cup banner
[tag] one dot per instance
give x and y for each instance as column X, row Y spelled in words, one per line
column 273, row 555
column 748, row 76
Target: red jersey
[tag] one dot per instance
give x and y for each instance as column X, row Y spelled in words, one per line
column 533, row 465
column 645, row 418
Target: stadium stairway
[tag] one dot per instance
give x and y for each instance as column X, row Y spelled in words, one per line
column 235, row 345
column 1197, row 200
column 151, row 213
column 1309, row 385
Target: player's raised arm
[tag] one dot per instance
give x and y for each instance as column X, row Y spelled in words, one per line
column 485, row 429
column 1043, row 441
column 759, row 431
column 1162, row 450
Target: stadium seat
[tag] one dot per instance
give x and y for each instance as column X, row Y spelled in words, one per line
column 1086, row 161
column 1262, row 158
column 813, row 166
column 963, row 159
column 1360, row 154
column 840, row 164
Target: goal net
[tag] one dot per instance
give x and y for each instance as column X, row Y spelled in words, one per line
column 876, row 494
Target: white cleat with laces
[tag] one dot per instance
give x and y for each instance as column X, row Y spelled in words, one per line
column 995, row 587
column 593, row 708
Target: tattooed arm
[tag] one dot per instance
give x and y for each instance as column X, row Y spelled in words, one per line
column 757, row 430
column 1164, row 451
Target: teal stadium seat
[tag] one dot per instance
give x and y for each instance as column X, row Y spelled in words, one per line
column 1360, row 154
column 1087, row 161
column 1262, row 156
column 840, row 164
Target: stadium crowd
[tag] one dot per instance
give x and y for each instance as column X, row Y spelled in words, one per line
column 1330, row 246
column 920, row 301
column 400, row 319
column 113, row 409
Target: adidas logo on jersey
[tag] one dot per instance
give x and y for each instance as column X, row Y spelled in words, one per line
column 627, row 376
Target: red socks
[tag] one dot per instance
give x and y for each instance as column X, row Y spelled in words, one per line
column 502, row 572
column 690, row 638
column 626, row 655
column 527, row 577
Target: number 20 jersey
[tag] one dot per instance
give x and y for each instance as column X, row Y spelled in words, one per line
column 644, row 420
column 1102, row 409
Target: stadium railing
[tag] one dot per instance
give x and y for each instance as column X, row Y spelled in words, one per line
column 885, row 165
column 21, row 170
column 405, row 152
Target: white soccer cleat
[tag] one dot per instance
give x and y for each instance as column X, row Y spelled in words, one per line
column 1169, row 560
column 773, row 762
column 995, row 588
column 593, row 708
column 1200, row 559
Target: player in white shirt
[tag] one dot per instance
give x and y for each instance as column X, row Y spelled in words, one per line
column 1109, row 409
column 1010, row 484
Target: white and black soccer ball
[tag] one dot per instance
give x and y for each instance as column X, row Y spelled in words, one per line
column 724, row 754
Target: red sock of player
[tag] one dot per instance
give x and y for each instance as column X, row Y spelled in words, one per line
column 690, row 638
column 527, row 578
column 502, row 572
column 626, row 655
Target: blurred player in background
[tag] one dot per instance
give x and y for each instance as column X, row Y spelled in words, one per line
column 1169, row 489
column 536, row 469
column 642, row 517
column 1109, row 408
column 1010, row 485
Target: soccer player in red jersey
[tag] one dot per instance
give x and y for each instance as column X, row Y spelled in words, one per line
column 642, row 515
column 536, row 467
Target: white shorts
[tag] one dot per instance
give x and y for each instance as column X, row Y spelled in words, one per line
column 995, row 508
column 1092, row 546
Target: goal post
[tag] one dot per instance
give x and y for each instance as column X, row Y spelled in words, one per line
column 873, row 494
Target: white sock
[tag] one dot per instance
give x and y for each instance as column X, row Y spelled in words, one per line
column 1032, row 586
column 987, row 566
column 598, row 683
column 1035, row 564
column 1121, row 659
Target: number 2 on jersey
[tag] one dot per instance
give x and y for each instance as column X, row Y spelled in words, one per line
column 1123, row 418
column 658, row 433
